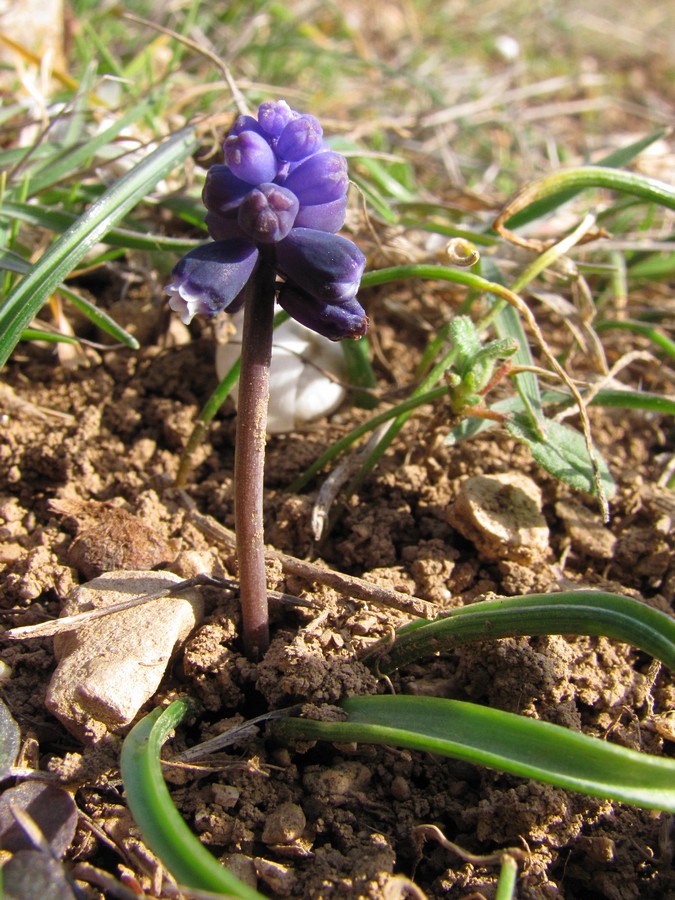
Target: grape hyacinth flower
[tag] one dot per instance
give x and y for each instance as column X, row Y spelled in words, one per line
column 273, row 209
column 281, row 194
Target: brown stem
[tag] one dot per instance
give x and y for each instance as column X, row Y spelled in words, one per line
column 249, row 455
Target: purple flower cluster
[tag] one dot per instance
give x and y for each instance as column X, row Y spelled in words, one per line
column 281, row 190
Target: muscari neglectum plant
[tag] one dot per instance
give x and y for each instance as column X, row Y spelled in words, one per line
column 273, row 209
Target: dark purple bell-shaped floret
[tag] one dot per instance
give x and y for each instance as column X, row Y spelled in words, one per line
column 323, row 265
column 335, row 321
column 208, row 279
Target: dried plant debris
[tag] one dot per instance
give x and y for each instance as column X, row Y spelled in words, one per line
column 10, row 741
column 31, row 873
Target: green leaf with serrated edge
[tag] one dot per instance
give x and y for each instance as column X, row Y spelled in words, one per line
column 563, row 453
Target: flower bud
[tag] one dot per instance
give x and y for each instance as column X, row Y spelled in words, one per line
column 250, row 157
column 223, row 190
column 324, row 265
column 319, row 179
column 246, row 123
column 209, row 279
column 335, row 321
column 300, row 138
column 324, row 217
column 274, row 116
column 223, row 227
column 267, row 213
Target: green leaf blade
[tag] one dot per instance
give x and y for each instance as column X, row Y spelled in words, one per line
column 159, row 821
column 503, row 741
column 33, row 290
column 569, row 612
column 563, row 453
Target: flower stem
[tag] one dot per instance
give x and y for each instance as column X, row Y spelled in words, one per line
column 249, row 456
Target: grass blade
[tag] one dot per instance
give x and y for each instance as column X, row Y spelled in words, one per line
column 656, row 336
column 627, row 399
column 74, row 159
column 502, row 741
column 578, row 179
column 161, row 825
column 33, row 290
column 50, row 337
column 614, row 160
column 100, row 319
column 58, row 221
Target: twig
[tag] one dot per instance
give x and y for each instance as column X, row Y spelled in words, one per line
column 349, row 585
column 72, row 623
column 237, row 95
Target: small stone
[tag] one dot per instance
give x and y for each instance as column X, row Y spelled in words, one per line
column 400, row 788
column 109, row 667
column 501, row 515
column 586, row 531
column 226, row 795
column 284, row 824
column 190, row 563
column 664, row 725
column 279, row 879
column 242, row 867
column 599, row 849
column 344, row 780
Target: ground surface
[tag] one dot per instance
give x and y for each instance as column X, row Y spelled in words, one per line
column 113, row 431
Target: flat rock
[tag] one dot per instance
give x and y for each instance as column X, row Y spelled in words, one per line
column 109, row 667
column 586, row 531
column 501, row 515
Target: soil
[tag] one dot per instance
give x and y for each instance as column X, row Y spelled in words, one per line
column 323, row 820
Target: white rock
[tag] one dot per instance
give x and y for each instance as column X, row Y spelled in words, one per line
column 501, row 515
column 112, row 665
column 300, row 390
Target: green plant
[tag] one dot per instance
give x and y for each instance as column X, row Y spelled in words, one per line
column 274, row 207
column 458, row 354
column 522, row 746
